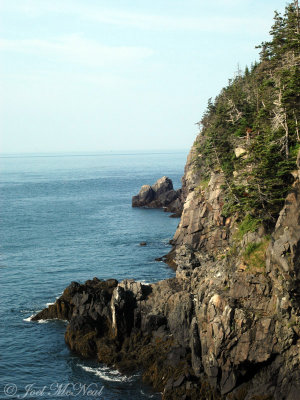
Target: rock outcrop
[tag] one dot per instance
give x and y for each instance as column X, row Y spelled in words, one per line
column 131, row 325
column 226, row 327
column 159, row 195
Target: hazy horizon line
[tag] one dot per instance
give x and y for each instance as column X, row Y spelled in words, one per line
column 89, row 152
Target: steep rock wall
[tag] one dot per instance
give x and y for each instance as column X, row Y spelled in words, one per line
column 246, row 313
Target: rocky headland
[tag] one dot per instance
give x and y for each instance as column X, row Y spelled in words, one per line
column 226, row 327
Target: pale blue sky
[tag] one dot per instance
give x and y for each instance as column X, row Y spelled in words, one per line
column 95, row 75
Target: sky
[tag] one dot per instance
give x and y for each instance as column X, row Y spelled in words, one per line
column 119, row 75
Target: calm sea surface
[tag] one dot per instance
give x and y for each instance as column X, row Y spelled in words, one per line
column 65, row 218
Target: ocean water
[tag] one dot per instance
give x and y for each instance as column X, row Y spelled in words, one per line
column 68, row 217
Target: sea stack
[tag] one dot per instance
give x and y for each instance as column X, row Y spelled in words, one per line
column 159, row 195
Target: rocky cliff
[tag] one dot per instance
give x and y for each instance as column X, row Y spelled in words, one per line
column 246, row 291
column 226, row 327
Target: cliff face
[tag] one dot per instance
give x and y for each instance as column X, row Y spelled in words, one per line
column 226, row 327
column 245, row 291
column 202, row 225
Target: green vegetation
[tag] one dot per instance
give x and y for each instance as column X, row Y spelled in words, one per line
column 249, row 224
column 250, row 131
column 251, row 248
column 204, row 183
column 255, row 254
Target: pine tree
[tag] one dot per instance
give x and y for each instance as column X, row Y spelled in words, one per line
column 259, row 110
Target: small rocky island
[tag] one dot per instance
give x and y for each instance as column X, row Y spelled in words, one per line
column 160, row 195
column 227, row 326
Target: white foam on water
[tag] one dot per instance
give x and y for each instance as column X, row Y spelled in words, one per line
column 58, row 296
column 150, row 396
column 144, row 282
column 107, row 374
column 28, row 319
column 42, row 321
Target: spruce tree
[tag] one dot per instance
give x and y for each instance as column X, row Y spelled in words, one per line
column 259, row 111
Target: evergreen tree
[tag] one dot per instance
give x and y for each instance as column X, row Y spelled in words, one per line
column 259, row 110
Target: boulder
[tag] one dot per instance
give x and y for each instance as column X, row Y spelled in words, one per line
column 239, row 151
column 159, row 195
column 145, row 196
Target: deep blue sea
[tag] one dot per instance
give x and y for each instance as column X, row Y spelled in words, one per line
column 68, row 217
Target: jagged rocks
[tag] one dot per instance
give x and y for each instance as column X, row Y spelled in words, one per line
column 202, row 225
column 159, row 195
column 284, row 250
column 146, row 196
column 135, row 326
column 216, row 331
